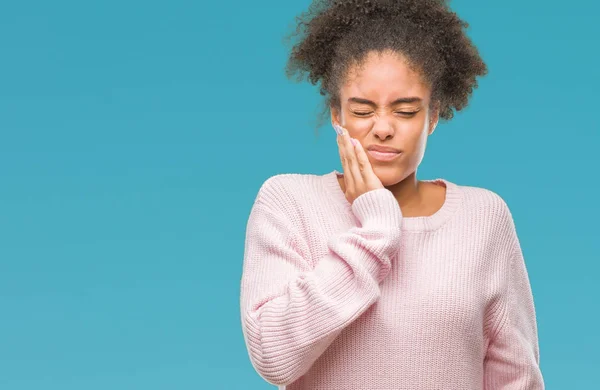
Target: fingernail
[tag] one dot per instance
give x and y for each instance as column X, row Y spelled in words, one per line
column 353, row 141
column 337, row 129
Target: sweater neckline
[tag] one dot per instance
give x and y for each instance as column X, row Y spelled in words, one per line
column 423, row 223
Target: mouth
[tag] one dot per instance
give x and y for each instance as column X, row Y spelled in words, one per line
column 384, row 156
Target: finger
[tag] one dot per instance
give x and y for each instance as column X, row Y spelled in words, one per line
column 363, row 162
column 352, row 162
column 337, row 128
column 347, row 154
column 345, row 167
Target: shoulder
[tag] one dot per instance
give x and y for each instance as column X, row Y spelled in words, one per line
column 280, row 191
column 485, row 199
column 280, row 182
column 286, row 183
column 490, row 222
column 489, row 207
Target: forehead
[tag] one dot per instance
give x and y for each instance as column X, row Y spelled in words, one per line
column 384, row 77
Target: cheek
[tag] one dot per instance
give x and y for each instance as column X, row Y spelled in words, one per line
column 358, row 128
column 411, row 132
column 362, row 126
column 416, row 132
column 417, row 139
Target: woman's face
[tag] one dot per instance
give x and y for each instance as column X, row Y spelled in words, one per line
column 371, row 114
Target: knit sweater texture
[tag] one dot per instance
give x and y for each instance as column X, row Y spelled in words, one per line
column 341, row 296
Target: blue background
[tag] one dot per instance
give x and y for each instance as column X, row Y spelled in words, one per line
column 123, row 218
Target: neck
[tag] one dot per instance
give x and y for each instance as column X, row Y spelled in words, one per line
column 409, row 193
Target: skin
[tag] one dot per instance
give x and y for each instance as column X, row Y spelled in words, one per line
column 385, row 77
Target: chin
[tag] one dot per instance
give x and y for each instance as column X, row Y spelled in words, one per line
column 388, row 175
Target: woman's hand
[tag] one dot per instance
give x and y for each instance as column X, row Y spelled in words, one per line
column 359, row 177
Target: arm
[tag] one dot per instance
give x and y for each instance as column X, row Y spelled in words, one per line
column 512, row 359
column 292, row 312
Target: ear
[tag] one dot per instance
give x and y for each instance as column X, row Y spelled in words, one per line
column 434, row 117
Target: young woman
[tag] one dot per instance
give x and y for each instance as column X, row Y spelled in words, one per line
column 371, row 278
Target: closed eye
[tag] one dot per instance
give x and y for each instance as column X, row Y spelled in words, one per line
column 405, row 113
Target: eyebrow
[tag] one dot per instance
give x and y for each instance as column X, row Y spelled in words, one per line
column 411, row 99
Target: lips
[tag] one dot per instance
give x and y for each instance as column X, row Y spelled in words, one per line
column 384, row 149
column 383, row 156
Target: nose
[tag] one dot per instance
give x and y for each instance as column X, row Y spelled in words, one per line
column 382, row 128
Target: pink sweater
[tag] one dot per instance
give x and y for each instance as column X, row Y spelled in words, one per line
column 338, row 296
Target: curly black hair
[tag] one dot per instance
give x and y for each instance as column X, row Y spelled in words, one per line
column 336, row 34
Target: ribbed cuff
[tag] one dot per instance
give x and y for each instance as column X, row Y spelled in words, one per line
column 378, row 207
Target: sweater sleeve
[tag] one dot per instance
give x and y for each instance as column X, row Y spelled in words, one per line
column 291, row 312
column 512, row 359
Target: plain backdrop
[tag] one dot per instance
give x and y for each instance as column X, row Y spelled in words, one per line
column 134, row 136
